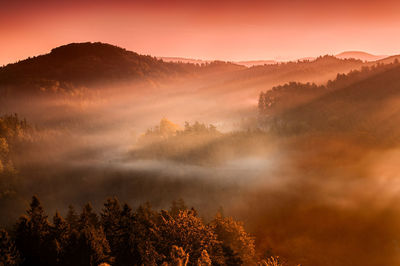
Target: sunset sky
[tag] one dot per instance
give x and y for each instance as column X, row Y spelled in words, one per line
column 225, row 30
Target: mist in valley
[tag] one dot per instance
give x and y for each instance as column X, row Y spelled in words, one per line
column 307, row 190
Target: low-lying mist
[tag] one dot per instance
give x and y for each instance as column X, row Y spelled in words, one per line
column 314, row 199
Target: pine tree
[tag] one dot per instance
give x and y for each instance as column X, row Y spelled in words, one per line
column 9, row 255
column 72, row 218
column 118, row 227
column 88, row 217
column 146, row 236
column 177, row 206
column 93, row 247
column 127, row 253
column 88, row 245
column 33, row 235
column 59, row 238
column 110, row 220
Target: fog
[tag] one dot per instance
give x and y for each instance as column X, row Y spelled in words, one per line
column 314, row 200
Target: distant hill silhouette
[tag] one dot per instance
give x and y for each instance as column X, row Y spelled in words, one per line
column 251, row 63
column 389, row 59
column 360, row 55
column 88, row 64
column 91, row 65
column 258, row 78
column 362, row 102
column 247, row 63
column 184, row 60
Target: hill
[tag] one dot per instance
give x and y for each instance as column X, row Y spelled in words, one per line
column 389, row 59
column 361, row 103
column 250, row 81
column 251, row 63
column 360, row 56
column 90, row 64
column 184, row 60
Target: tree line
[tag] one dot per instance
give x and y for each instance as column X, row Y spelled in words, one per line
column 119, row 235
column 290, row 95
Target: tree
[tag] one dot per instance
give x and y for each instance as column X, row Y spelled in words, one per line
column 72, row 218
column 231, row 257
column 118, row 227
column 123, row 237
column 93, row 247
column 271, row 261
column 110, row 220
column 88, row 217
column 177, row 206
column 33, row 235
column 146, row 236
column 237, row 244
column 188, row 231
column 127, row 253
column 178, row 256
column 86, row 245
column 9, row 255
column 204, row 259
column 59, row 238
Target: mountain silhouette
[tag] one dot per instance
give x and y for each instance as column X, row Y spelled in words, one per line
column 93, row 65
column 90, row 64
column 360, row 55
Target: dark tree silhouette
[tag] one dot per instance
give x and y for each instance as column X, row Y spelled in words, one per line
column 33, row 236
column 123, row 237
column 9, row 255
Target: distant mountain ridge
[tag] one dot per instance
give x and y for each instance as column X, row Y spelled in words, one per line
column 360, row 55
column 86, row 65
column 183, row 60
column 247, row 63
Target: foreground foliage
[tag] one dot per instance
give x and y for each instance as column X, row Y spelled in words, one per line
column 121, row 236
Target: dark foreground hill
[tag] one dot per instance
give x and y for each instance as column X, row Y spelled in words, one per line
column 91, row 64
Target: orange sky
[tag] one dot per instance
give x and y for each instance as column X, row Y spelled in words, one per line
column 226, row 30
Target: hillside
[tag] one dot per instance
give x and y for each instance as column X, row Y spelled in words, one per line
column 363, row 102
column 388, row 60
column 250, row 81
column 360, row 56
column 90, row 64
column 183, row 60
column 251, row 63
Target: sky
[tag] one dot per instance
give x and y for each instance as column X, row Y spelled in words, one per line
column 203, row 29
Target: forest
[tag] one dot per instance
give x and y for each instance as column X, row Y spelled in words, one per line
column 109, row 157
column 120, row 236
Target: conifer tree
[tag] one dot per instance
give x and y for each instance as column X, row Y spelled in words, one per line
column 88, row 217
column 59, row 238
column 126, row 253
column 72, row 217
column 88, row 245
column 33, row 235
column 177, row 206
column 9, row 255
column 146, row 236
column 111, row 220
